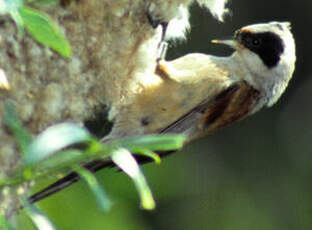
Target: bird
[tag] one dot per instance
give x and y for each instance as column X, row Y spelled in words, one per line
column 188, row 95
column 197, row 94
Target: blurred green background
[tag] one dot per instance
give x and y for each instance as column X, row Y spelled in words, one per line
column 255, row 174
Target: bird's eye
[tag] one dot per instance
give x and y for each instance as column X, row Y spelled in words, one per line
column 249, row 40
column 256, row 42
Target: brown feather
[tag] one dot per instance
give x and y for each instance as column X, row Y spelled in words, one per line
column 232, row 104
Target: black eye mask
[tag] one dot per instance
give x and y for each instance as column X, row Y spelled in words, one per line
column 269, row 46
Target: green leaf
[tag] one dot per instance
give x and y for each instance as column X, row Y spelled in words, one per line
column 55, row 138
column 57, row 161
column 41, row 3
column 146, row 152
column 11, row 120
column 156, row 142
column 126, row 162
column 4, row 225
column 44, row 30
column 102, row 199
column 38, row 218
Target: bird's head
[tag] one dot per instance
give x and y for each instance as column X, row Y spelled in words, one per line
column 267, row 51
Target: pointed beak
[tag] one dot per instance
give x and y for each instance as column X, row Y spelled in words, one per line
column 231, row 43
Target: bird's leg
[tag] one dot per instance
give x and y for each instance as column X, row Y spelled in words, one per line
column 162, row 46
column 164, row 26
column 162, row 50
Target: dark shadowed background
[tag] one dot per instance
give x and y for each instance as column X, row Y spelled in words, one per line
column 255, row 174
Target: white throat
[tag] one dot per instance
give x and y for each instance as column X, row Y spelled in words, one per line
column 271, row 82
